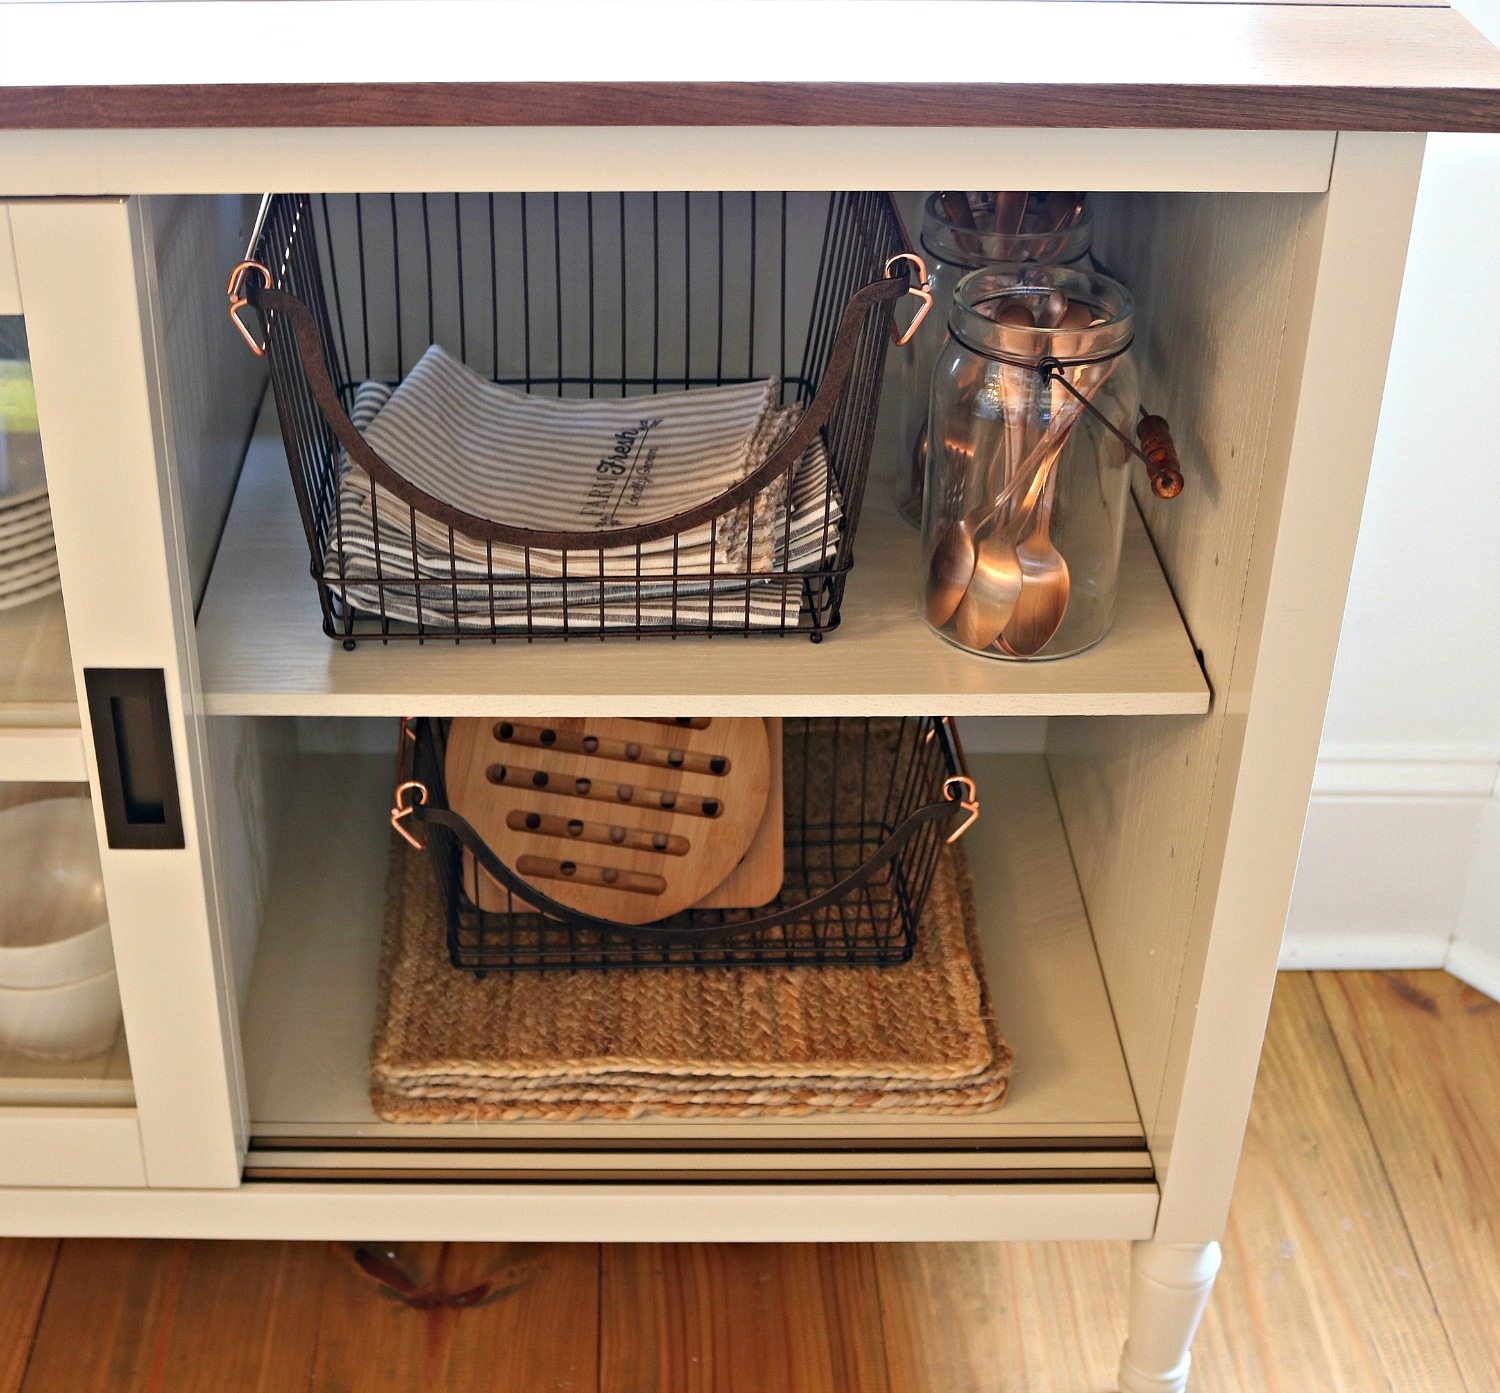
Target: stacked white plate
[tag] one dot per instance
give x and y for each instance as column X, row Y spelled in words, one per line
column 28, row 554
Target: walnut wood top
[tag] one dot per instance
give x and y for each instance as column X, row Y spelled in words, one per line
column 732, row 63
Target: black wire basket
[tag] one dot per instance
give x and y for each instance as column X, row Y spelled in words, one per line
column 579, row 295
column 869, row 805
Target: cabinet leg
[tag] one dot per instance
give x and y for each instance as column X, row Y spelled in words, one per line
column 1169, row 1287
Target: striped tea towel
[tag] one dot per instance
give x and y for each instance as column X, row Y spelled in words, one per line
column 594, row 465
column 690, row 583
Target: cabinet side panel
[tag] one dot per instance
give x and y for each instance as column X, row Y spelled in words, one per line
column 1196, row 989
column 211, row 383
column 1211, row 275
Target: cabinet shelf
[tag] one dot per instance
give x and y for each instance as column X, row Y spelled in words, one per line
column 312, row 1000
column 262, row 653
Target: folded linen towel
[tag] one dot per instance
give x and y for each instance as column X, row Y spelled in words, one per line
column 580, row 465
column 696, row 579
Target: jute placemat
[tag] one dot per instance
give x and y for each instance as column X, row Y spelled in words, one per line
column 727, row 1042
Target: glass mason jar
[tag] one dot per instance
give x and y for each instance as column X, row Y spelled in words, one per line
column 1026, row 490
column 951, row 250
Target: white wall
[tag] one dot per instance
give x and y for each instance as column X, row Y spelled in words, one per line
column 1401, row 856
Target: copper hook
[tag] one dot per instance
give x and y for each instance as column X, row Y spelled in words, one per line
column 961, row 789
column 237, row 301
column 400, row 810
column 922, row 290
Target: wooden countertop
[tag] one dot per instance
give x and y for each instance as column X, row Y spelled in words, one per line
column 942, row 63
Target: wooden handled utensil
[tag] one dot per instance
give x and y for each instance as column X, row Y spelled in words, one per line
column 625, row 819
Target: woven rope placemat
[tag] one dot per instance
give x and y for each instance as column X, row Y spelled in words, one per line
column 727, row 1042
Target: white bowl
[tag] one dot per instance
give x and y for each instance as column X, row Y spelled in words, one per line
column 76, row 1021
column 54, row 925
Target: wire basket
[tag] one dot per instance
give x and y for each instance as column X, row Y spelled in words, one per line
column 579, row 295
column 869, row 804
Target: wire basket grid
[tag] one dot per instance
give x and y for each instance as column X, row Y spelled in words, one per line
column 579, row 295
column 869, row 805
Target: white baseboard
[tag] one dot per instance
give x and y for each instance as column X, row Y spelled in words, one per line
column 1475, row 953
column 1477, row 965
column 1423, row 771
column 1388, row 854
column 1371, row 952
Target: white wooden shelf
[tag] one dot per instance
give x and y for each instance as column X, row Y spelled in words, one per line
column 312, row 1001
column 262, row 650
column 39, row 724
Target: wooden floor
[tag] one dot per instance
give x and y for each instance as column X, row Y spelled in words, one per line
column 1363, row 1254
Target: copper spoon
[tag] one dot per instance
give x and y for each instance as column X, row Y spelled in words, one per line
column 952, row 564
column 1059, row 312
column 1010, row 212
column 957, row 210
column 954, row 558
column 990, row 597
column 995, row 588
column 1014, row 313
column 1045, row 582
column 994, row 592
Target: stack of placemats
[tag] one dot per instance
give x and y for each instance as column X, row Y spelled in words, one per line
column 719, row 1041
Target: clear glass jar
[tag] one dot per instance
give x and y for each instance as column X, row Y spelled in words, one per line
column 952, row 249
column 1026, row 490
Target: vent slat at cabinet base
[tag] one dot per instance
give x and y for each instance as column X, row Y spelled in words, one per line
column 491, row 1210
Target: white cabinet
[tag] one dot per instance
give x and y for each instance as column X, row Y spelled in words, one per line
column 1133, row 873
column 1164, row 806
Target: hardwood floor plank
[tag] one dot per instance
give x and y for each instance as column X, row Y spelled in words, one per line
column 25, row 1271
column 1003, row 1317
column 1423, row 1051
column 1320, row 1287
column 740, row 1318
column 136, row 1316
column 472, row 1316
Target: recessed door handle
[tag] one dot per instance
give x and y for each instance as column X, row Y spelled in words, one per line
column 132, row 730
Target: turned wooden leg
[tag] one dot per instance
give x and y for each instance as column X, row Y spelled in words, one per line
column 1169, row 1287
